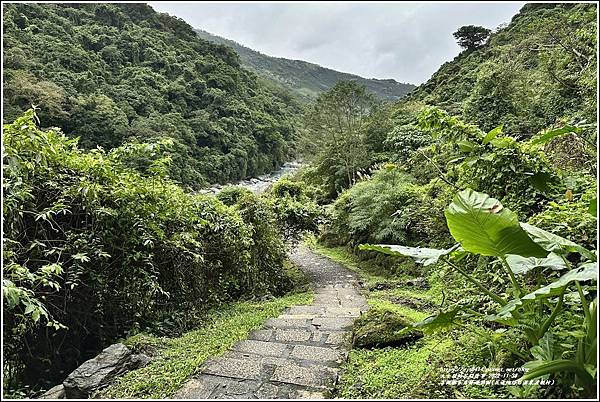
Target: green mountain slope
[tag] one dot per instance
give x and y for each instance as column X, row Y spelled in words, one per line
column 539, row 69
column 306, row 79
column 111, row 73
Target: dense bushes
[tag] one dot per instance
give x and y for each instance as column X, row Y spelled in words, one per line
column 505, row 265
column 110, row 73
column 94, row 249
column 517, row 125
column 295, row 209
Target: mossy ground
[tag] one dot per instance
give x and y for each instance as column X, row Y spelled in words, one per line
column 175, row 359
column 413, row 370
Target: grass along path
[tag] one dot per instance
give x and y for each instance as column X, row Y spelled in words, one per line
column 413, row 371
column 176, row 359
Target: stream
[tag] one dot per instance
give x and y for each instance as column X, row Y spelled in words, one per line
column 258, row 184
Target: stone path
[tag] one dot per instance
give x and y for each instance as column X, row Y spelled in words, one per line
column 296, row 355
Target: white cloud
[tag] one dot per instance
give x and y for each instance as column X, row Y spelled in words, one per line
column 404, row 41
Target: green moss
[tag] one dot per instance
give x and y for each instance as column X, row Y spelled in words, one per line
column 390, row 372
column 178, row 358
column 381, row 327
column 408, row 313
column 414, row 370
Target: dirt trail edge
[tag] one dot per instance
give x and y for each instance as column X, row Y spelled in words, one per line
column 294, row 356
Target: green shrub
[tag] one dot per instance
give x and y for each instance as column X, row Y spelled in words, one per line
column 571, row 218
column 389, row 207
column 230, row 195
column 286, row 187
column 295, row 211
column 95, row 250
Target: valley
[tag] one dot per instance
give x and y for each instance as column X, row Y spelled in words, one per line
column 265, row 228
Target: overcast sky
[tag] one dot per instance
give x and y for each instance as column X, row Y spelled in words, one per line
column 404, row 41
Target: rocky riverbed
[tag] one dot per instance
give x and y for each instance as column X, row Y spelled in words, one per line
column 258, row 184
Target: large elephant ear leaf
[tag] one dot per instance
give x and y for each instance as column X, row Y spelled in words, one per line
column 585, row 272
column 483, row 226
column 425, row 256
column 559, row 245
column 522, row 265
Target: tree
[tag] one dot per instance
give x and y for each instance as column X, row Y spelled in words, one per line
column 471, row 36
column 336, row 122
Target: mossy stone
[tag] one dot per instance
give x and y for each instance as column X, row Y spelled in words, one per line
column 380, row 327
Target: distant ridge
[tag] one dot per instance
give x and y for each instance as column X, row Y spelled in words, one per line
column 306, row 79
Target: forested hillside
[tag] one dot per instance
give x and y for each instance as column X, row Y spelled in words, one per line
column 115, row 73
column 537, row 71
column 469, row 209
column 307, row 79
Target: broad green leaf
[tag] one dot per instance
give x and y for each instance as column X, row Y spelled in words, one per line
column 585, row 272
column 465, row 146
column 540, row 181
column 483, row 226
column 593, row 208
column 442, row 321
column 522, row 265
column 551, row 242
column 492, row 134
column 503, row 142
column 81, row 257
column 425, row 256
column 548, row 135
column 29, row 307
column 35, row 315
column 544, row 350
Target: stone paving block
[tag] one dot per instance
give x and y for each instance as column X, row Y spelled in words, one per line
column 236, row 368
column 261, row 334
column 197, row 388
column 298, row 316
column 317, row 353
column 342, row 312
column 261, row 347
column 267, row 391
column 325, row 323
column 362, row 306
column 337, row 338
column 234, row 389
column 305, row 310
column 327, row 302
column 287, row 323
column 292, row 335
column 308, row 376
column 307, row 394
column 263, row 360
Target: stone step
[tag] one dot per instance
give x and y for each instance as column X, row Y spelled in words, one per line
column 234, row 368
column 294, row 356
column 315, row 376
column 301, row 336
column 327, row 323
column 264, row 348
column 288, row 323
